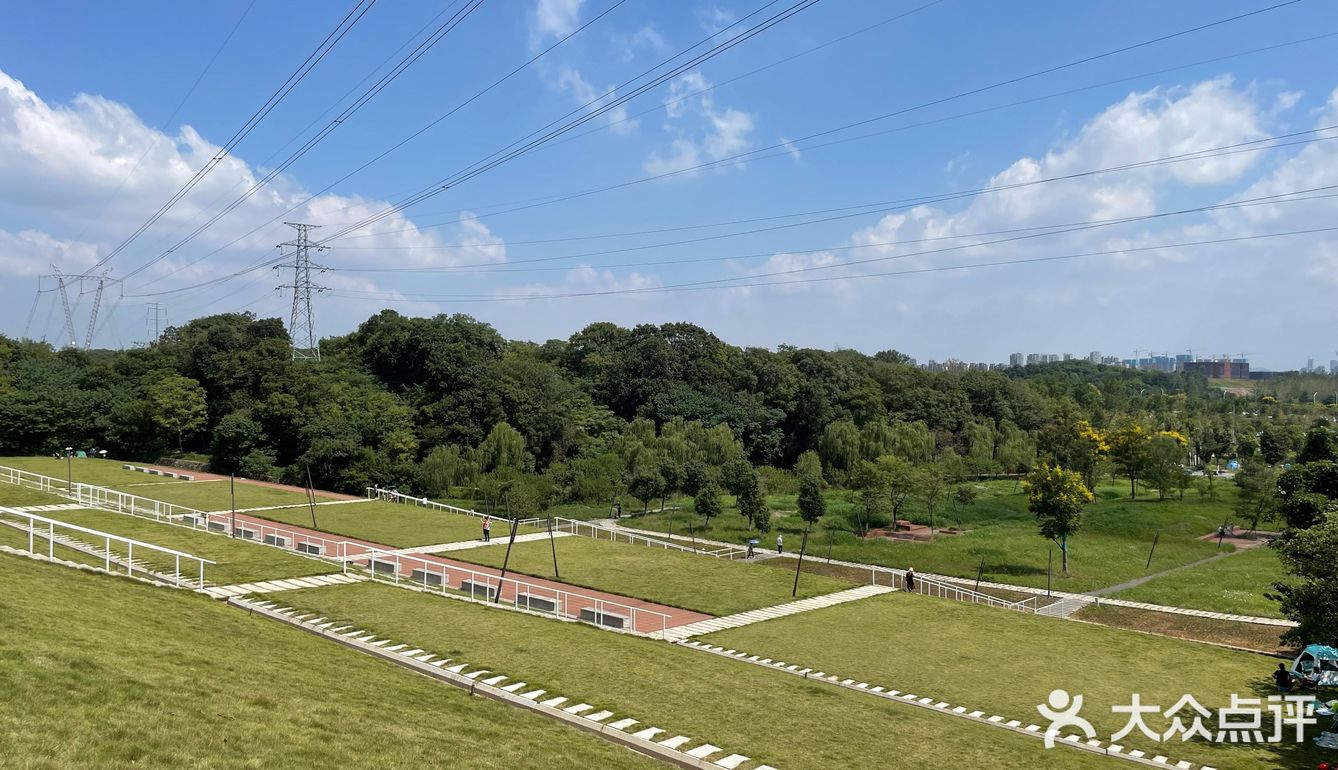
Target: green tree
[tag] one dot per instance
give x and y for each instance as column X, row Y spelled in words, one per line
column 737, row 475
column 1319, row 444
column 1056, row 497
column 812, row 507
column 1128, row 443
column 840, row 445
column 808, row 464
column 933, row 481
column 178, row 405
column 1164, row 463
column 234, row 438
column 695, row 477
column 504, row 447
column 707, row 503
column 645, row 485
column 1311, row 597
column 1258, row 497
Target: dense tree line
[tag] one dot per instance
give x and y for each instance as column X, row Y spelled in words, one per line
column 429, row 403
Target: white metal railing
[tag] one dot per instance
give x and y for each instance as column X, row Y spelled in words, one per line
column 390, row 496
column 218, row 522
column 597, row 532
column 50, row 534
column 435, row 576
column 930, row 586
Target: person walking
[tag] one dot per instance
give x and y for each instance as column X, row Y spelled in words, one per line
column 751, row 542
column 487, row 529
column 780, row 544
column 910, row 578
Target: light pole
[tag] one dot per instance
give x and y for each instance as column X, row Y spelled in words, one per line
column 69, row 469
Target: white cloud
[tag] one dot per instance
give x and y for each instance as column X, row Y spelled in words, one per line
column 713, row 18
column 570, row 81
column 555, row 18
column 64, row 165
column 701, row 133
column 30, row 253
column 648, row 38
column 584, row 278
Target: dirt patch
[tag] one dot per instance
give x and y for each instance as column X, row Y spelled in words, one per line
column 1250, row 636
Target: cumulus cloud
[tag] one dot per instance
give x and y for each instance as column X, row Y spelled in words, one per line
column 569, row 80
column 68, row 179
column 555, row 18
column 700, row 132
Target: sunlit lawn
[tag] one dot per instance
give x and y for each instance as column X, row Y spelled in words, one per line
column 102, row 672
column 1006, row 663
column 674, row 578
column 775, row 719
column 1112, row 546
column 394, row 524
column 1236, row 585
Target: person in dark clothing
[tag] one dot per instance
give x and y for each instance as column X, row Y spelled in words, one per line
column 910, row 578
column 1283, row 678
column 487, row 529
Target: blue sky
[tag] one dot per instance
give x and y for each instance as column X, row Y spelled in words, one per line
column 87, row 90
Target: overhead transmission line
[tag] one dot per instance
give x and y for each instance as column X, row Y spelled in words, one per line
column 593, row 109
column 707, row 286
column 885, row 207
column 314, row 58
column 209, row 65
column 1051, row 229
column 1196, row 155
column 479, row 94
column 348, row 112
column 523, row 205
column 442, row 185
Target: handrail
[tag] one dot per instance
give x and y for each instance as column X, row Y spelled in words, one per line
column 390, row 496
column 932, row 586
column 596, row 531
column 108, row 538
column 215, row 523
column 437, row 576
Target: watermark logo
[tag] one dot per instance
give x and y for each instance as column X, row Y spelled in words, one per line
column 1241, row 722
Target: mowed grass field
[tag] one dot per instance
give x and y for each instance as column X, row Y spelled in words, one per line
column 1236, row 584
column 394, row 524
column 103, row 672
column 775, row 719
column 1007, row 663
column 1111, row 547
column 212, row 495
column 674, row 578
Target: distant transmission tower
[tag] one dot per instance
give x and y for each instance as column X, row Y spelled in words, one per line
column 155, row 319
column 302, row 328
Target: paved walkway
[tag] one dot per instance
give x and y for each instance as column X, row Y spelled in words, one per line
column 202, row 476
column 403, row 568
column 759, row 554
column 462, row 545
column 679, row 633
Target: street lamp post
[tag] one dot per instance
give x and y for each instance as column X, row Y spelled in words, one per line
column 69, row 469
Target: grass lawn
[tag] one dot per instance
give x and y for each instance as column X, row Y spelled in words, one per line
column 1235, row 585
column 238, row 561
column 204, row 495
column 15, row 538
column 390, row 523
column 777, row 720
column 675, row 578
column 1111, row 548
column 994, row 660
column 103, row 672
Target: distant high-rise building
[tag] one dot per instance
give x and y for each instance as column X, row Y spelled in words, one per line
column 1068, row 356
column 1333, row 366
column 1094, row 357
column 1051, row 358
column 1310, row 364
column 1015, row 359
column 1035, row 358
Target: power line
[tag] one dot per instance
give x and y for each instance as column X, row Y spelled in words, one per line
column 314, row 58
column 1053, row 229
column 348, row 112
column 399, row 144
column 302, row 328
column 1196, row 155
column 524, row 205
column 442, row 185
column 595, row 108
column 884, row 207
column 708, row 286
column 170, row 118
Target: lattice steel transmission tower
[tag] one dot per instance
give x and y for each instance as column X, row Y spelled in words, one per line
column 302, row 328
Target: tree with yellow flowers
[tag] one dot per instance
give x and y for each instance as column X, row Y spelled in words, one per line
column 1056, row 496
column 1128, row 442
